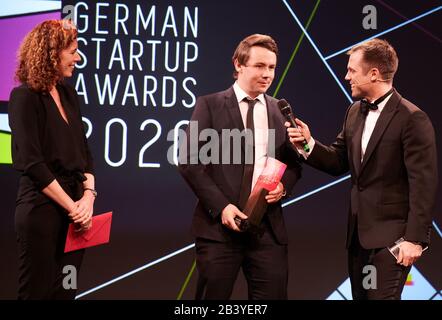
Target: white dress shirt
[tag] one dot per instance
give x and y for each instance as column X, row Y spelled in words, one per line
column 261, row 127
column 370, row 123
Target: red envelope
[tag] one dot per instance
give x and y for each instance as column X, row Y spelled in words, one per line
column 99, row 233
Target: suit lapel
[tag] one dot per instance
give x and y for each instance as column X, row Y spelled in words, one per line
column 270, row 113
column 384, row 119
column 233, row 107
column 356, row 143
column 272, row 108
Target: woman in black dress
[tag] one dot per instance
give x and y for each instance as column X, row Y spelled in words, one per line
column 49, row 148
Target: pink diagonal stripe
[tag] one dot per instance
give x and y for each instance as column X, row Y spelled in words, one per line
column 13, row 31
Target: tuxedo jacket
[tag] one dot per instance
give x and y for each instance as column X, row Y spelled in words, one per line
column 217, row 185
column 393, row 189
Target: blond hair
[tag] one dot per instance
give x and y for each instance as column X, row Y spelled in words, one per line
column 380, row 54
column 242, row 52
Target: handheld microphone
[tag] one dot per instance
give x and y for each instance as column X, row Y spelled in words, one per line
column 286, row 111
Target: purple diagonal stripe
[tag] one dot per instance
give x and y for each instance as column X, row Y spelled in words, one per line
column 13, row 30
column 414, row 23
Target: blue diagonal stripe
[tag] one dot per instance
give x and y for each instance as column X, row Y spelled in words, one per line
column 386, row 31
column 308, row 194
column 128, row 274
column 437, row 229
column 317, row 51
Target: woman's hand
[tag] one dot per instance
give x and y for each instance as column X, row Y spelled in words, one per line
column 83, row 211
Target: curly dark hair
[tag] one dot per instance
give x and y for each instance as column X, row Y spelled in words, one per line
column 39, row 53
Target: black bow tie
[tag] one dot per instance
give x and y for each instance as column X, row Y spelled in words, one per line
column 366, row 106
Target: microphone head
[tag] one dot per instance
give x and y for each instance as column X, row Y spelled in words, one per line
column 284, row 107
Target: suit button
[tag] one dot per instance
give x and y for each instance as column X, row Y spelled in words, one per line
column 360, row 188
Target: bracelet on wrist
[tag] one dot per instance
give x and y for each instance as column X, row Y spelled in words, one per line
column 94, row 192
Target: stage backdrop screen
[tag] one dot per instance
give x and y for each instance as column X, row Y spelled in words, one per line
column 143, row 65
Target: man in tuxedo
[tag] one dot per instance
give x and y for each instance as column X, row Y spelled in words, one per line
column 222, row 188
column 388, row 144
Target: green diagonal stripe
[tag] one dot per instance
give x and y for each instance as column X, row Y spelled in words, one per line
column 289, row 64
column 186, row 282
column 5, row 148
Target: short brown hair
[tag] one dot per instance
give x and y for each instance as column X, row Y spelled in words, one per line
column 39, row 53
column 242, row 52
column 379, row 54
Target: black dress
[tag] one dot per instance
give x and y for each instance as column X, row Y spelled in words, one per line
column 45, row 147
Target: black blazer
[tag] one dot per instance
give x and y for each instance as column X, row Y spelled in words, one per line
column 393, row 190
column 217, row 185
column 45, row 147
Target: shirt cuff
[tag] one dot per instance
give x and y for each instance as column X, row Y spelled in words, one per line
column 311, row 145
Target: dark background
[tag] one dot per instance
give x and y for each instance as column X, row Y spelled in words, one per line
column 153, row 206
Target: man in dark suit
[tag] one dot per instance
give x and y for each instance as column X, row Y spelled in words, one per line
column 388, row 144
column 223, row 187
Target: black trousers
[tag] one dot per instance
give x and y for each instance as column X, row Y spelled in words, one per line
column 264, row 263
column 374, row 273
column 41, row 227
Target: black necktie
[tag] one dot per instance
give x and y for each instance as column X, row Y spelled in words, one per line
column 246, row 184
column 366, row 106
